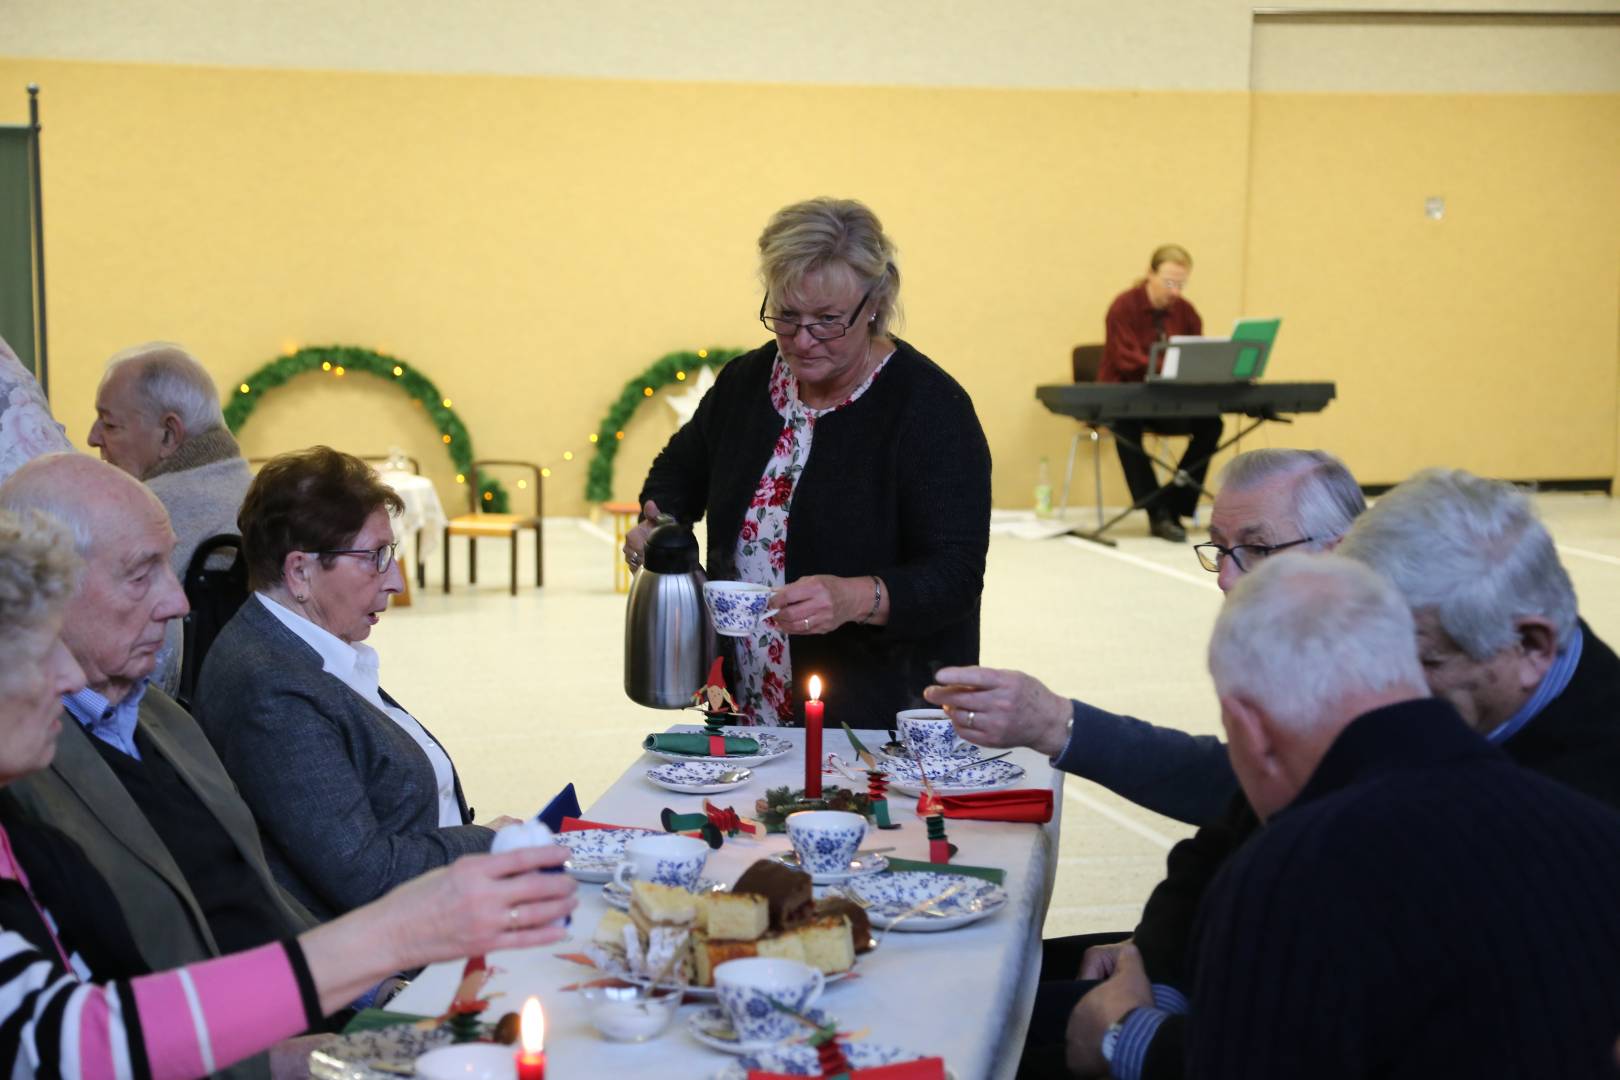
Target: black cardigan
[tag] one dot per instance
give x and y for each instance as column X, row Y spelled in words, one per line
column 897, row 485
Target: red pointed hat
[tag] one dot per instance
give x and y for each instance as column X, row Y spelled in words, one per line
column 717, row 675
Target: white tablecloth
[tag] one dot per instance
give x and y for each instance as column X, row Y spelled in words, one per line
column 423, row 511
column 963, row 994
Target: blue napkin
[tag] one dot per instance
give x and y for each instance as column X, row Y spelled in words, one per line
column 565, row 804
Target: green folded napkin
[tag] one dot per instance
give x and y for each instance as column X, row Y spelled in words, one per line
column 691, row 742
column 989, row 873
column 373, row 1019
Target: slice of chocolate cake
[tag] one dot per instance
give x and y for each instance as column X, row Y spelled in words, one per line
column 785, row 889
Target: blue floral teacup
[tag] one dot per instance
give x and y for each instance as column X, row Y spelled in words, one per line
column 737, row 607
column 747, row 987
column 676, row 861
column 825, row 840
column 929, row 734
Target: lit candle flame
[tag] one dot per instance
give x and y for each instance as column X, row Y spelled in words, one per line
column 532, row 1027
column 815, row 688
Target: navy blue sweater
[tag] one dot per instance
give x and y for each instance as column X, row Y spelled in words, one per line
column 1424, row 908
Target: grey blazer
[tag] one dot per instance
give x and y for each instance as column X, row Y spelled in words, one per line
column 346, row 801
column 81, row 795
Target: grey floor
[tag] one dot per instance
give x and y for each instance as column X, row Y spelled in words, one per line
column 527, row 692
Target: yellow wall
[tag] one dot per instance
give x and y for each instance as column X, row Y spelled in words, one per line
column 1486, row 340
column 532, row 243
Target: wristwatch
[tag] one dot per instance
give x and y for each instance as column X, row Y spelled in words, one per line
column 1110, row 1039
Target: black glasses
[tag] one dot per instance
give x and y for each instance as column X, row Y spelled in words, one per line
column 1246, row 556
column 381, row 558
column 821, row 331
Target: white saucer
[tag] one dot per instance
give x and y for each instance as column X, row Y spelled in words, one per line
column 711, row 1027
column 697, row 777
column 615, row 895
column 868, row 864
column 888, row 897
column 593, row 853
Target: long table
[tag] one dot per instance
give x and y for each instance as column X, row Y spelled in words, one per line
column 964, row 994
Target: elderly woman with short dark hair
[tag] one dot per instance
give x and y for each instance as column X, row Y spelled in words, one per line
column 352, row 794
column 843, row 468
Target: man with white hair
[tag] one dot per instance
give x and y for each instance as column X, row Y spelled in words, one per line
column 1473, row 564
column 1417, row 905
column 1270, row 501
column 135, row 782
column 1497, row 626
column 158, row 418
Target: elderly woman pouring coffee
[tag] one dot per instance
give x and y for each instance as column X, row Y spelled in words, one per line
column 843, row 469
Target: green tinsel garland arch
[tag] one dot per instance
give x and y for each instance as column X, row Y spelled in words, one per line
column 339, row 360
column 599, row 477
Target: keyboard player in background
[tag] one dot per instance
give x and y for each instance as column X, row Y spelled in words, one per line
column 1150, row 311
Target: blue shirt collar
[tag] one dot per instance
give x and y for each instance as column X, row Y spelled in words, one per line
column 1555, row 682
column 112, row 724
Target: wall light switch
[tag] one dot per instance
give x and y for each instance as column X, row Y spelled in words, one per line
column 1434, row 207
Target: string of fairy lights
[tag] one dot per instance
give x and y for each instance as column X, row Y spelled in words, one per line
column 337, row 361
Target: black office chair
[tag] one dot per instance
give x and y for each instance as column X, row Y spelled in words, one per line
column 1085, row 361
column 214, row 593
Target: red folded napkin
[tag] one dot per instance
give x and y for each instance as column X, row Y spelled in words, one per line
column 921, row 1069
column 574, row 824
column 1019, row 804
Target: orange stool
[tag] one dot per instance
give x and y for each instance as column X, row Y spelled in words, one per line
column 625, row 516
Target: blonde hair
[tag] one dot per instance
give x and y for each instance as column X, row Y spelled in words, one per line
column 1169, row 253
column 38, row 572
column 811, row 236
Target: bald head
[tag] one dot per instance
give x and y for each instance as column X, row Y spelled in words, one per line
column 116, row 619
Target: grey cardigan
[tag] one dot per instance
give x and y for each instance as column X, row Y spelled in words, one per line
column 346, row 801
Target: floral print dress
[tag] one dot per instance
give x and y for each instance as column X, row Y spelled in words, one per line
column 764, row 657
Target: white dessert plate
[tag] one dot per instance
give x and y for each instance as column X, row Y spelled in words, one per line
column 698, row 777
column 615, row 895
column 771, row 747
column 888, row 896
column 712, row 1027
column 797, row 1059
column 904, row 777
column 858, row 867
column 593, row 853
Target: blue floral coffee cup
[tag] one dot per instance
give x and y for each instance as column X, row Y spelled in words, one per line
column 676, row 861
column 747, row 987
column 825, row 840
column 737, row 607
column 929, row 734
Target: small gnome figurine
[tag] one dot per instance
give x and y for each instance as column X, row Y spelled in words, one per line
column 712, row 698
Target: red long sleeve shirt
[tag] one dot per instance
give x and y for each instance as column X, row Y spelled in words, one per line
column 1133, row 325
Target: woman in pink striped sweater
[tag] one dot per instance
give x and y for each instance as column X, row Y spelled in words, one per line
column 194, row 1020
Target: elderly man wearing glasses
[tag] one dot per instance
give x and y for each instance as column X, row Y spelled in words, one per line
column 352, row 794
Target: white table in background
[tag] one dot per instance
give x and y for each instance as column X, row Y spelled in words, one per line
column 962, row 994
column 423, row 518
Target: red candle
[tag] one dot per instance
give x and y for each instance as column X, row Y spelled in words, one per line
column 813, row 710
column 531, row 1060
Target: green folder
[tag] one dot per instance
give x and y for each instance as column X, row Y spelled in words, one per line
column 1251, row 363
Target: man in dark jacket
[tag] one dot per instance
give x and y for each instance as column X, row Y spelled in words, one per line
column 1498, row 637
column 1415, row 906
